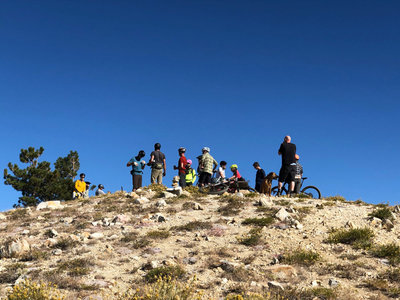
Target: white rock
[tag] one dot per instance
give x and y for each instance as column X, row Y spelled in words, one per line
column 14, row 248
column 275, row 285
column 168, row 195
column 3, row 217
column 50, row 205
column 57, row 252
column 239, row 195
column 96, row 235
column 197, row 206
column 282, row 214
column 175, row 190
column 264, row 201
column 161, row 203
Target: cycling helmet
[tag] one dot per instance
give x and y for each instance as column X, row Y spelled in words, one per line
column 189, row 161
column 100, row 186
column 157, row 146
column 182, row 150
column 206, row 149
column 141, row 153
column 234, row 166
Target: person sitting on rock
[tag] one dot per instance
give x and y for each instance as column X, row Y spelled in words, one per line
column 80, row 187
column 99, row 191
column 190, row 174
column 86, row 194
column 137, row 169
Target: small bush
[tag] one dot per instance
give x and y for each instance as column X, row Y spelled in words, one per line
column 12, row 272
column 233, row 207
column 158, row 234
column 283, row 202
column 382, row 213
column 253, row 238
column 18, row 214
column 28, row 290
column 155, row 187
column 193, row 226
column 302, row 257
column 390, row 251
column 129, row 237
column 335, row 198
column 34, row 255
column 393, row 275
column 76, row 267
column 357, row 237
column 65, row 244
column 252, row 195
column 168, row 272
column 259, row 221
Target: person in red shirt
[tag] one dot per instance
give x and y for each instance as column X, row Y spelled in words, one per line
column 236, row 174
column 181, row 167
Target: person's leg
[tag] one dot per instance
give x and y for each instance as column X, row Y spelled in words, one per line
column 182, row 180
column 153, row 176
column 208, row 178
column 292, row 176
column 257, row 187
column 133, row 183
column 282, row 177
column 297, row 186
column 201, row 179
column 160, row 173
column 140, row 181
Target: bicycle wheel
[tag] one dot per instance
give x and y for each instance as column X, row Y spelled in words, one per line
column 218, row 190
column 274, row 191
column 311, row 192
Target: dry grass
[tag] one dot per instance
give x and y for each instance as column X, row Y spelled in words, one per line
column 301, row 257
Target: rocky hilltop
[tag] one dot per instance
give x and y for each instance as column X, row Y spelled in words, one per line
column 242, row 246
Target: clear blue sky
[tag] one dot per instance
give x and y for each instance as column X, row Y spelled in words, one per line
column 108, row 78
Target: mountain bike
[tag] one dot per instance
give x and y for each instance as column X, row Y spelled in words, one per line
column 309, row 191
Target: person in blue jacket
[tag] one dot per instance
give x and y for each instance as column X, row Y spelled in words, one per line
column 137, row 169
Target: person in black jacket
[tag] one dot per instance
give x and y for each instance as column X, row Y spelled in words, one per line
column 288, row 169
column 260, row 176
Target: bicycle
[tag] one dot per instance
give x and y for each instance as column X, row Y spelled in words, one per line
column 309, row 191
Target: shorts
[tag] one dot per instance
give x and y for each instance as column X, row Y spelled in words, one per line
column 156, row 175
column 287, row 171
column 205, row 178
column 137, row 181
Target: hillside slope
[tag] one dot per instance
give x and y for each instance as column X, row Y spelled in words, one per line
column 232, row 244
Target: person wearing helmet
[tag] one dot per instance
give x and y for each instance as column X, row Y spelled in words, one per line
column 137, row 169
column 80, row 187
column 190, row 174
column 260, row 176
column 158, row 164
column 208, row 166
column 99, row 191
column 182, row 162
column 236, row 175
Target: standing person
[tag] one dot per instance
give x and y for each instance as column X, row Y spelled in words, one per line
column 158, row 164
column 260, row 176
column 221, row 171
column 190, row 174
column 298, row 175
column 208, row 166
column 181, row 167
column 137, row 170
column 288, row 169
column 80, row 187
column 99, row 191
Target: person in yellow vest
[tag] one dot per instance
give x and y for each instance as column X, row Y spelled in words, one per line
column 190, row 173
column 80, row 187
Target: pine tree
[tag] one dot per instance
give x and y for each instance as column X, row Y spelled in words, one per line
column 38, row 182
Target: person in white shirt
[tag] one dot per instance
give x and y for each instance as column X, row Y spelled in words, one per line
column 99, row 190
column 221, row 170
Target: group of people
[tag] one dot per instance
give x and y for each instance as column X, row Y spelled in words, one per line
column 291, row 171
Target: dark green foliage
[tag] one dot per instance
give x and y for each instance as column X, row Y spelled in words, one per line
column 389, row 251
column 301, row 257
column 382, row 213
column 168, row 272
column 253, row 238
column 357, row 237
column 38, row 182
column 259, row 221
column 193, row 226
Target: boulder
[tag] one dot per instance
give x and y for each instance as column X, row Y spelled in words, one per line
column 49, row 205
column 239, row 195
column 141, row 200
column 375, row 222
column 159, row 218
column 275, row 285
column 161, row 203
column 282, row 214
column 96, row 235
column 196, row 206
column 175, row 190
column 52, row 233
column 14, row 248
column 265, row 202
column 388, row 224
column 3, row 217
column 167, row 195
column 121, row 219
column 333, row 282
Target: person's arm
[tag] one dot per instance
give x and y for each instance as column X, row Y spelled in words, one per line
column 263, row 173
column 280, row 150
column 215, row 164
column 129, row 163
column 151, row 159
column 165, row 167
